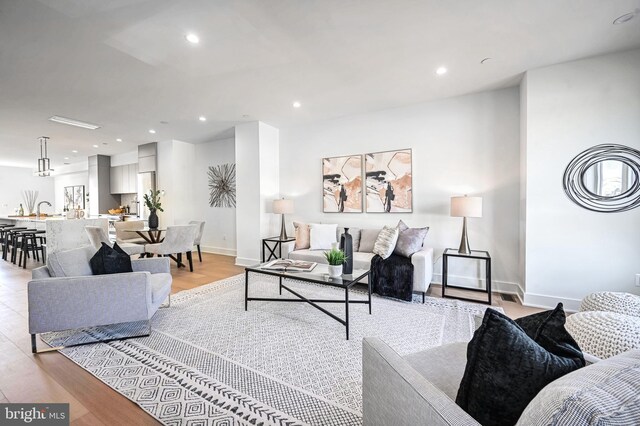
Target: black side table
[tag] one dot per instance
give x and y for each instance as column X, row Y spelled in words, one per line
column 475, row 254
column 272, row 250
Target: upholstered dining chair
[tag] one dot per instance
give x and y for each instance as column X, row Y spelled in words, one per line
column 178, row 239
column 122, row 234
column 196, row 242
column 97, row 236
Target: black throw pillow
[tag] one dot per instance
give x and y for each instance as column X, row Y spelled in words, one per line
column 506, row 368
column 547, row 329
column 109, row 260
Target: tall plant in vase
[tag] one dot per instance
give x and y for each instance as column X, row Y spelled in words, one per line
column 152, row 201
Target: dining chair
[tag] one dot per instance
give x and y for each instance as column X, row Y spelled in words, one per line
column 124, row 236
column 196, row 242
column 97, row 236
column 178, row 239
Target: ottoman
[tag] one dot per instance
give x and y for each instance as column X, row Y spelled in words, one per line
column 621, row 303
column 604, row 334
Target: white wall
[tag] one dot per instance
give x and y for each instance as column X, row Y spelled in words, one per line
column 15, row 180
column 220, row 229
column 463, row 145
column 570, row 251
column 69, row 179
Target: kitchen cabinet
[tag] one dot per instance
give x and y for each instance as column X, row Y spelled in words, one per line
column 124, row 179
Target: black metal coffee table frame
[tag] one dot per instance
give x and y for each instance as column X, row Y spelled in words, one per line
column 343, row 283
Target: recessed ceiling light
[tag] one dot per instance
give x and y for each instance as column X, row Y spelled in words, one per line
column 297, row 104
column 72, row 122
column 624, row 18
column 75, row 151
column 66, row 158
column 152, row 131
column 441, row 71
column 95, row 146
column 118, row 140
column 192, row 38
column 202, row 118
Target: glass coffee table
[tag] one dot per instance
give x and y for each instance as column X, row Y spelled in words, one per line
column 319, row 275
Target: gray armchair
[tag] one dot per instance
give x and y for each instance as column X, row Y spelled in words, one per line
column 97, row 236
column 198, row 239
column 418, row 389
column 64, row 295
column 421, row 388
column 178, row 239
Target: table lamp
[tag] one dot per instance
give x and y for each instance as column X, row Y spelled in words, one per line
column 465, row 207
column 283, row 207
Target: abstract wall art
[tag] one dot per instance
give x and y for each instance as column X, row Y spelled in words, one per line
column 389, row 182
column 342, row 184
column 74, row 197
column 222, row 185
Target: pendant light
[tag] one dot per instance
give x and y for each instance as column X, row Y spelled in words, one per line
column 44, row 164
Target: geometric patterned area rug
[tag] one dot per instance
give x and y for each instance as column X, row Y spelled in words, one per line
column 208, row 362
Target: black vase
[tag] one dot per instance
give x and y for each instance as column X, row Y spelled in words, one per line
column 153, row 219
column 346, row 245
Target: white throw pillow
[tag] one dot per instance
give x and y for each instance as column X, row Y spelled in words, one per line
column 322, row 236
column 386, row 242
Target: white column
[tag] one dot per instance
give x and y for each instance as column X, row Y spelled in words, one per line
column 257, row 185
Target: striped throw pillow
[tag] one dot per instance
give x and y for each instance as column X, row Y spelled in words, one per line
column 386, row 242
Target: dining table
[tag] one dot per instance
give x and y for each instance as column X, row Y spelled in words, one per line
column 154, row 236
column 150, row 235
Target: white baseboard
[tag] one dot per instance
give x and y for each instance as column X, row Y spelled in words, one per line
column 498, row 286
column 244, row 261
column 550, row 302
column 218, row 250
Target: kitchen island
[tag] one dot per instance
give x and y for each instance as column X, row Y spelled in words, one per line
column 61, row 233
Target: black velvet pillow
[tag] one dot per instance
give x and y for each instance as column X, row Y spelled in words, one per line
column 109, row 260
column 547, row 329
column 506, row 368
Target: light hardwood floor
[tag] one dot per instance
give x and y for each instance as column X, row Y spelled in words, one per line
column 51, row 377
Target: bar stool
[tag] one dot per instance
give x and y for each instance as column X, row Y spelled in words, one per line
column 8, row 239
column 3, row 230
column 18, row 239
column 30, row 243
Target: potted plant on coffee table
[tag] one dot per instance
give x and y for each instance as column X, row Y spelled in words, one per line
column 336, row 259
column 152, row 201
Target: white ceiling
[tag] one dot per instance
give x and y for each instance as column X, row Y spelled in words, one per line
column 125, row 65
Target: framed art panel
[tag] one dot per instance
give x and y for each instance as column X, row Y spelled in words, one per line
column 342, row 184
column 78, row 196
column 68, row 198
column 389, row 182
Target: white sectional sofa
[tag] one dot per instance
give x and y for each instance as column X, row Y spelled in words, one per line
column 362, row 253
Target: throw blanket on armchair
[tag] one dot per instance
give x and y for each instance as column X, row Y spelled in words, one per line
column 392, row 277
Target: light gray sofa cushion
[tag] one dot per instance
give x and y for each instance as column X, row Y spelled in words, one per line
column 443, row 366
column 71, row 263
column 604, row 393
column 360, row 260
column 368, row 239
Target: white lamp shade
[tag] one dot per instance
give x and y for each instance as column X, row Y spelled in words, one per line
column 466, row 206
column 283, row 206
